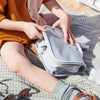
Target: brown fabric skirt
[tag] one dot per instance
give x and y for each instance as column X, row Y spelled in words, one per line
column 6, row 35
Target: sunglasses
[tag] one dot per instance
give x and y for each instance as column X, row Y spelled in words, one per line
column 21, row 96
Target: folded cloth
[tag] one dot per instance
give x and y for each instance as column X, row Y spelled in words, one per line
column 95, row 4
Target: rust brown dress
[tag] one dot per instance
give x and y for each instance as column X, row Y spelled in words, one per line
column 15, row 10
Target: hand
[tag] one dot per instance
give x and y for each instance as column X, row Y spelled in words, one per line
column 33, row 30
column 65, row 24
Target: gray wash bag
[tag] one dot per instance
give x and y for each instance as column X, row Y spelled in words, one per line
column 59, row 59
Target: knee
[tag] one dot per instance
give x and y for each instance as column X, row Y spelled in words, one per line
column 16, row 64
column 14, row 56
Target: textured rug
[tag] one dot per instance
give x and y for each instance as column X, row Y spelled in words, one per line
column 86, row 28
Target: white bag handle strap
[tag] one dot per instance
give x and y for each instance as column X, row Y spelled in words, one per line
column 42, row 47
column 41, row 44
column 79, row 49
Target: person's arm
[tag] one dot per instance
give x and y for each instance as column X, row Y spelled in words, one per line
column 32, row 30
column 55, row 8
column 64, row 20
column 7, row 24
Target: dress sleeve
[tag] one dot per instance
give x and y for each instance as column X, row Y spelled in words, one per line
column 2, row 6
column 45, row 1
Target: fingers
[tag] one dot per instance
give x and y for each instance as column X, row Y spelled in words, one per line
column 68, row 37
column 38, row 34
column 55, row 24
column 65, row 34
column 71, row 39
column 39, row 30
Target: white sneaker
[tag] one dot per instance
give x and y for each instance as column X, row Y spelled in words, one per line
column 92, row 75
column 98, row 77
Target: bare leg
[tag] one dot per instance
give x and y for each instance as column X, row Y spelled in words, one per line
column 16, row 60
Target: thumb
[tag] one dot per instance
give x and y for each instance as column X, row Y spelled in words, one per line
column 55, row 24
column 39, row 35
column 40, row 28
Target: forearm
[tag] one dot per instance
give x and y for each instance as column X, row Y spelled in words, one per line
column 7, row 24
column 59, row 12
column 56, row 9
